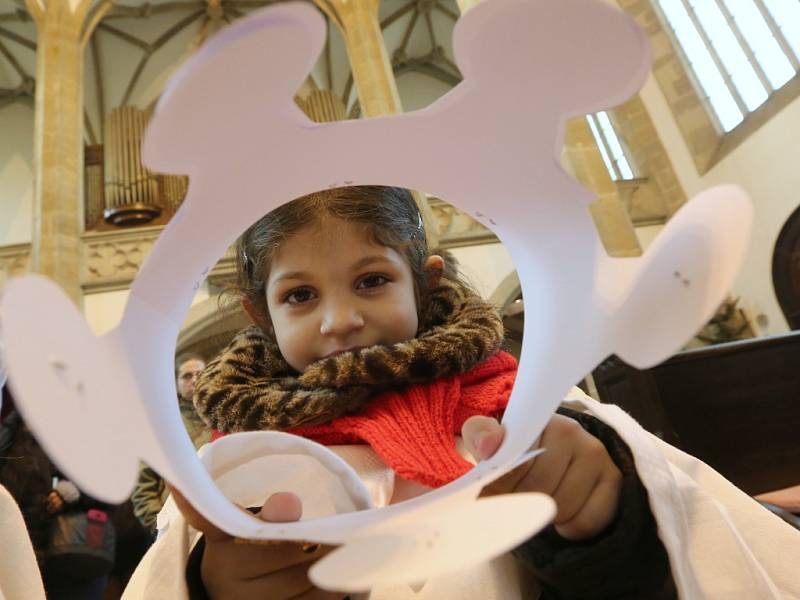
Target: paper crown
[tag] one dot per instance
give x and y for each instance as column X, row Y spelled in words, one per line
column 491, row 147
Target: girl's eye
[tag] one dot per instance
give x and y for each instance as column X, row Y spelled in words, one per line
column 372, row 281
column 300, row 296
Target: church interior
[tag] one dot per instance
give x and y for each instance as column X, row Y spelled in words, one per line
column 79, row 80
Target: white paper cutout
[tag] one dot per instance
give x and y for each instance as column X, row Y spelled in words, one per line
column 490, row 146
column 239, row 464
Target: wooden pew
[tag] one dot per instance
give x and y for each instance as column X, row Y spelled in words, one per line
column 736, row 406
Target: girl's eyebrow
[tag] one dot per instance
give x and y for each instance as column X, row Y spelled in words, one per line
column 359, row 264
column 369, row 260
column 290, row 275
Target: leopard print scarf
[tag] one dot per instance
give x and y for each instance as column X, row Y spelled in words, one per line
column 249, row 386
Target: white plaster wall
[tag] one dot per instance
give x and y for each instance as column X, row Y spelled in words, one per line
column 16, row 173
column 484, row 266
column 766, row 165
column 487, row 266
column 104, row 310
column 647, row 234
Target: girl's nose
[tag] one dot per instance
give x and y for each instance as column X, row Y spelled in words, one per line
column 340, row 319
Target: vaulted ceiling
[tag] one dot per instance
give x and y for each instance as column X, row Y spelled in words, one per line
column 136, row 46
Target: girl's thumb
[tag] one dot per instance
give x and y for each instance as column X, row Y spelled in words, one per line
column 482, row 436
column 282, row 507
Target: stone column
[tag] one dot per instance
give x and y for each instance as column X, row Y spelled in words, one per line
column 372, row 71
column 582, row 159
column 58, row 141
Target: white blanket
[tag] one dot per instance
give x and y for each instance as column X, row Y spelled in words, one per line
column 721, row 543
column 19, row 574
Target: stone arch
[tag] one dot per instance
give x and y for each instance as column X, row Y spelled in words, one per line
column 209, row 326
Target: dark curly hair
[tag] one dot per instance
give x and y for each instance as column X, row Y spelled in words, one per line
column 390, row 217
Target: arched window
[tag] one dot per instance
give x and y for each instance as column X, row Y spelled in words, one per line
column 611, row 148
column 739, row 51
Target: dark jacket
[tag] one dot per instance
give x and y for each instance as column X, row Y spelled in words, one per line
column 27, row 473
column 625, row 562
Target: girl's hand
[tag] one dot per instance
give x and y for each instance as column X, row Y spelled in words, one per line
column 575, row 470
column 244, row 569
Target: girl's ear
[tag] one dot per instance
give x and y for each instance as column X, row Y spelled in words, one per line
column 434, row 268
column 255, row 315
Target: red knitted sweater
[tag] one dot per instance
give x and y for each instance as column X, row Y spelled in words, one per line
column 413, row 430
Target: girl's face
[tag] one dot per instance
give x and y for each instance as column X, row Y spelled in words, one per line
column 331, row 289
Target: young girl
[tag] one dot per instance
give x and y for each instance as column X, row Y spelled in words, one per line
column 363, row 336
column 366, row 341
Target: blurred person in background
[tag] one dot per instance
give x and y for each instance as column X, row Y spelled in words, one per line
column 150, row 492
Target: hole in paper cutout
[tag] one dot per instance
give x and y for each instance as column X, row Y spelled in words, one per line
column 492, row 262
column 421, row 50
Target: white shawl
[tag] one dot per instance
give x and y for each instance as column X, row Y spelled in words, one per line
column 721, row 543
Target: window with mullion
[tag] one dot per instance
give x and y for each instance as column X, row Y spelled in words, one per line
column 610, row 145
column 784, row 16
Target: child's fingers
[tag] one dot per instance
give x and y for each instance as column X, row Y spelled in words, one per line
column 545, row 473
column 566, row 441
column 596, row 514
column 291, row 582
column 318, row 594
column 508, row 482
column 575, row 489
column 282, row 507
column 277, row 570
column 482, row 436
column 197, row 520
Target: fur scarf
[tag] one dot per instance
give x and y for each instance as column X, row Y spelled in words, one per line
column 249, row 386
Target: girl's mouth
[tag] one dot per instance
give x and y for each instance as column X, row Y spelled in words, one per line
column 342, row 351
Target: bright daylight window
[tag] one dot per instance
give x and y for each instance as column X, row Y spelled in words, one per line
column 610, row 146
column 740, row 51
